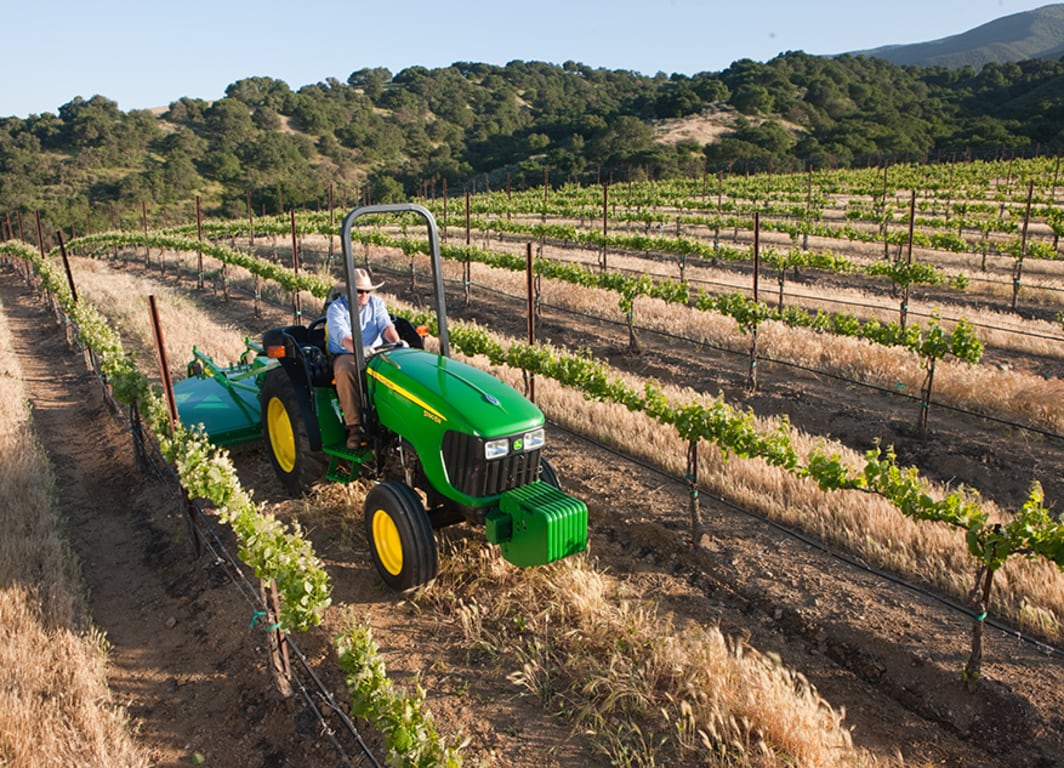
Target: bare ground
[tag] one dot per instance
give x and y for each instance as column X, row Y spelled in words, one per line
column 192, row 670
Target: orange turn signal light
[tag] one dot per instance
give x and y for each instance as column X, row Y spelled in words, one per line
column 422, row 331
column 275, row 352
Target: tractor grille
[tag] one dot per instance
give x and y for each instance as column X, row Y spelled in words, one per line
column 474, row 475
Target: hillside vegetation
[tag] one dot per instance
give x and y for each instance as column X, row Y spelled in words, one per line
column 381, row 136
column 1036, row 34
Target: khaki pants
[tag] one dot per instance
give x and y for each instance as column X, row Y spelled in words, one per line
column 344, row 371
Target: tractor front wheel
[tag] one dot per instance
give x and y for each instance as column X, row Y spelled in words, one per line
column 400, row 536
column 285, row 424
column 547, row 473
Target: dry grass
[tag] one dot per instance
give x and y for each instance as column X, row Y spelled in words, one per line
column 647, row 690
column 122, row 298
column 55, row 706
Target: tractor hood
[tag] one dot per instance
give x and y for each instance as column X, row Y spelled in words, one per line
column 451, row 394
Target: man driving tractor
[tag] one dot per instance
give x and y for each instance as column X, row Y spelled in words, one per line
column 377, row 328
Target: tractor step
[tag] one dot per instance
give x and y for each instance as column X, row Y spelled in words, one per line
column 345, row 466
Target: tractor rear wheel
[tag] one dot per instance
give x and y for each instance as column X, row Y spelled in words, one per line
column 285, row 424
column 400, row 536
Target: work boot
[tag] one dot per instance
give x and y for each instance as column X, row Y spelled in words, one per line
column 355, row 438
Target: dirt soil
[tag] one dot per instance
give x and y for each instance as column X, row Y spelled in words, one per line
column 189, row 662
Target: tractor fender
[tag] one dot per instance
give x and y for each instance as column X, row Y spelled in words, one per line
column 296, row 367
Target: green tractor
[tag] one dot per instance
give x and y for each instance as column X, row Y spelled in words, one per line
column 446, row 442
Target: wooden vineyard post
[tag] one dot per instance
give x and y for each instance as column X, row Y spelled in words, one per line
column 904, row 315
column 883, row 217
column 144, row 228
column 278, row 648
column 40, row 236
column 808, row 207
column 753, row 330
column 605, row 219
column 720, row 203
column 199, row 236
column 443, row 193
column 694, row 505
column 1017, row 273
column 171, row 405
column 66, row 266
column 332, row 223
column 466, row 267
column 56, row 307
column 546, row 186
column 114, row 228
column 297, row 308
column 251, row 220
column 530, row 376
column 164, row 365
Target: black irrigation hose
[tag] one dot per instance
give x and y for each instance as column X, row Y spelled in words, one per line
column 1042, row 646
column 164, row 472
column 844, row 302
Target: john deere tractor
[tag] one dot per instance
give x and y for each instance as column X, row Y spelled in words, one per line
column 446, row 442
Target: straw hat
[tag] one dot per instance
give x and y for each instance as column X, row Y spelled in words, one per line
column 363, row 282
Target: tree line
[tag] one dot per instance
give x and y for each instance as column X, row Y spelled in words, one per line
column 381, row 136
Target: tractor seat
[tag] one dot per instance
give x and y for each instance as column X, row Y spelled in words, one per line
column 319, row 365
column 315, row 350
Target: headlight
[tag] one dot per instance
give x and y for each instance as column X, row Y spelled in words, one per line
column 494, row 449
column 533, row 440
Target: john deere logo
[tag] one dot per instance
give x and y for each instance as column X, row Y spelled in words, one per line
column 518, row 444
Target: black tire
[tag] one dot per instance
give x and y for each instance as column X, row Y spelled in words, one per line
column 285, row 426
column 400, row 536
column 547, row 474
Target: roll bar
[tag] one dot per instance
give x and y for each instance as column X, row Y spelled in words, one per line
column 349, row 271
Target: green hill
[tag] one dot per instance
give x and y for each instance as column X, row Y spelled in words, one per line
column 381, row 136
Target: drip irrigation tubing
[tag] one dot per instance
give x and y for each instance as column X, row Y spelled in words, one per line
column 148, row 450
column 843, row 302
column 316, row 691
column 798, row 535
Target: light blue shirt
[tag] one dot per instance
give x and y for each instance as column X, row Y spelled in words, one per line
column 373, row 318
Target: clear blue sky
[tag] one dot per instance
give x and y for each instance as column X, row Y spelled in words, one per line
column 147, row 54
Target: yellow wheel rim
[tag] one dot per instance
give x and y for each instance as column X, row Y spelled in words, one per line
column 386, row 541
column 282, row 439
